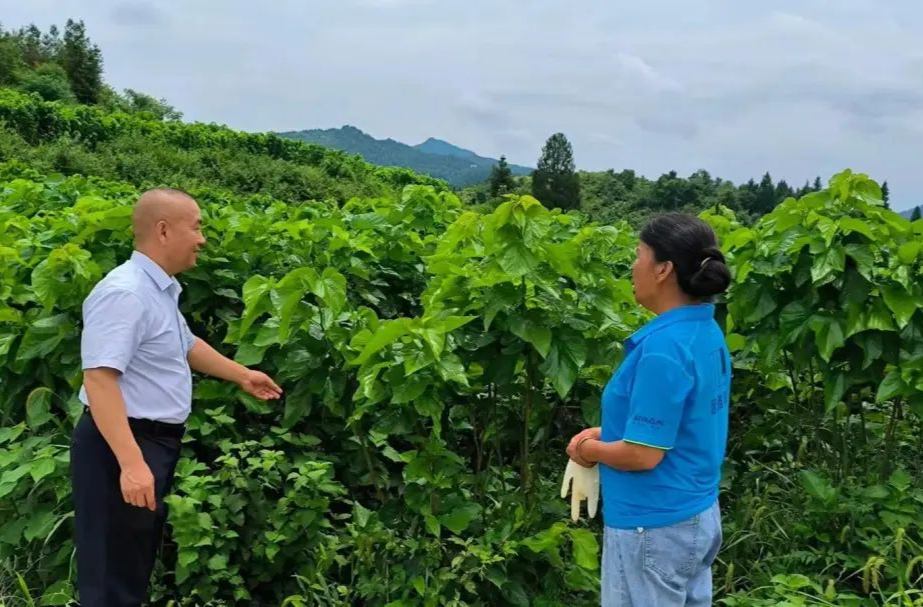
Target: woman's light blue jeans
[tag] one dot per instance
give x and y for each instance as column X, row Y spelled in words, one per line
column 663, row 566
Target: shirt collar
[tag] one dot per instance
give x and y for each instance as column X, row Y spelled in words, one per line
column 670, row 317
column 160, row 278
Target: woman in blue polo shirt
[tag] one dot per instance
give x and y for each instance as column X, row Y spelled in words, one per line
column 664, row 426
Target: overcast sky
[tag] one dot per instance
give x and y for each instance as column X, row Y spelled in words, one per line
column 798, row 88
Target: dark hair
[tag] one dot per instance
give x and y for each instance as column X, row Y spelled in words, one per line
column 692, row 246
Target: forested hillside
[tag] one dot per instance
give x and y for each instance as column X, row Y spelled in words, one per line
column 436, row 358
column 435, row 158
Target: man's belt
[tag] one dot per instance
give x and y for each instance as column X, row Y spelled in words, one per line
column 152, row 428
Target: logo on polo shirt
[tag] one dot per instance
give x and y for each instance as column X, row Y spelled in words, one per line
column 650, row 421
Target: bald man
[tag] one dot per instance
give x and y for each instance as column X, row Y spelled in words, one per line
column 138, row 355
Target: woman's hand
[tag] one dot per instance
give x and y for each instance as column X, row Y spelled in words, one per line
column 574, row 445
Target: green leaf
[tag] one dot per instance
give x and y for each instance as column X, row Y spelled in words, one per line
column 409, row 390
column 794, row 317
column 876, row 492
column 851, row 224
column 736, row 342
column 902, row 303
column 537, row 335
column 6, row 342
column 450, row 323
column 42, row 468
column 287, row 294
column 331, row 289
column 830, row 261
column 567, row 355
column 40, row 525
column 432, row 524
column 879, row 317
column 517, row 260
column 459, row 519
column 764, row 306
column 388, row 333
column 59, row 593
column 38, row 407
column 900, row 480
column 256, row 300
column 909, row 251
column 834, row 388
column 586, row 548
column 296, row 407
column 362, row 514
column 862, row 255
column 890, row 386
column 872, row 346
column 817, row 486
column 11, row 433
column 44, row 336
column 829, row 338
column 218, row 562
column 451, row 368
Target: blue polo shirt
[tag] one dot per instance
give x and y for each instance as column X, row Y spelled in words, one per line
column 672, row 392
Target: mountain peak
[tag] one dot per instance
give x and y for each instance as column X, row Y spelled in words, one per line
column 434, row 157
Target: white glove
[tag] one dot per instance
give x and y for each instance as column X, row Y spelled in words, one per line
column 585, row 486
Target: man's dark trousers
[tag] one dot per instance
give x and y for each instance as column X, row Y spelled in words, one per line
column 117, row 543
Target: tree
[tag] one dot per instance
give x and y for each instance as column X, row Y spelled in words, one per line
column 818, row 186
column 555, row 182
column 885, row 194
column 49, row 81
column 83, row 63
column 30, row 41
column 766, row 196
column 501, row 178
column 11, row 61
column 916, row 214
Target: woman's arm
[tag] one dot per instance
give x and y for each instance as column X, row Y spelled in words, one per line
column 621, row 455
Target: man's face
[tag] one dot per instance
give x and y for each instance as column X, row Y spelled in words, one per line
column 185, row 236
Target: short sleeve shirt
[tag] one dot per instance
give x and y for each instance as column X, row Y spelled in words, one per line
column 672, row 392
column 132, row 323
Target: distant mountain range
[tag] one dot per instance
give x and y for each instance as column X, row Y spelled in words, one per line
column 909, row 212
column 434, row 157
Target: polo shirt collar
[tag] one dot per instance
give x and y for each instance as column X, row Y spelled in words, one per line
column 160, row 278
column 680, row 314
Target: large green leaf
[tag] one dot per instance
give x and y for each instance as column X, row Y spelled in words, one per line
column 829, row 337
column 908, row 252
column 517, row 260
column 586, row 548
column 851, row 224
column 288, row 293
column 388, row 333
column 256, row 300
column 862, row 255
column 38, row 407
column 794, row 319
column 44, row 336
column 566, row 357
column 331, row 289
column 832, row 260
column 818, row 487
column 765, row 305
column 835, row 386
column 459, row 519
column 530, row 331
column 891, row 386
column 40, row 525
column 902, row 303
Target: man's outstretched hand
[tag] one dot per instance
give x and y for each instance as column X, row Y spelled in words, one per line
column 260, row 385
